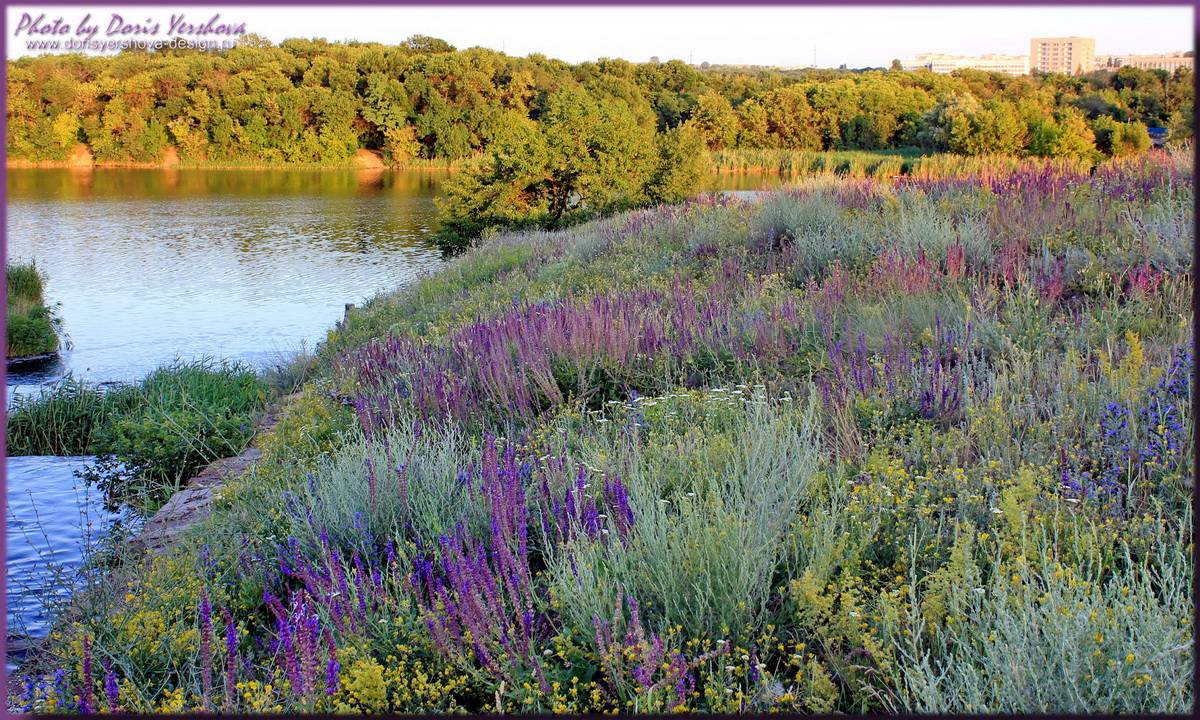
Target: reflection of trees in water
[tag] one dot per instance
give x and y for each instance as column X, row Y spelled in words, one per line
column 159, row 183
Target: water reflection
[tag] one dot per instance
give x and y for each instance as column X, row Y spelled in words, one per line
column 150, row 265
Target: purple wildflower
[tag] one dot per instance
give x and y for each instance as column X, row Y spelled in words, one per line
column 111, row 690
column 231, row 643
column 205, row 612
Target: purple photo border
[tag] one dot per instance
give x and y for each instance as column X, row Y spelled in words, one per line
column 583, row 3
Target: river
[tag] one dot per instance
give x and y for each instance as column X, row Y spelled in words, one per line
column 149, row 266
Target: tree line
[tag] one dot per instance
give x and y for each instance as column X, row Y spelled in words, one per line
column 313, row 101
column 541, row 142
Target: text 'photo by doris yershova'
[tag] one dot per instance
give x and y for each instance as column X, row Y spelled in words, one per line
column 399, row 360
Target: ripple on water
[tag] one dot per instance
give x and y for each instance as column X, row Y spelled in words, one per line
column 53, row 517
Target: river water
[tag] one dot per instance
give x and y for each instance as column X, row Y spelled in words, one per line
column 149, row 266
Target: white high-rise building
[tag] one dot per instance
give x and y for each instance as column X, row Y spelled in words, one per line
column 1066, row 55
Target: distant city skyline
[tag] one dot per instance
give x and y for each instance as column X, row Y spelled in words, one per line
column 760, row 35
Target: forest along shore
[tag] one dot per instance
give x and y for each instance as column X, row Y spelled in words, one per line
column 424, row 101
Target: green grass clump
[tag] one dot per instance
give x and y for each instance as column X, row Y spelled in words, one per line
column 32, row 326
column 64, row 418
column 149, row 437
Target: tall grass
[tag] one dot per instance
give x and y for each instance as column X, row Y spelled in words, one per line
column 150, row 436
column 33, row 328
column 63, row 419
column 796, row 163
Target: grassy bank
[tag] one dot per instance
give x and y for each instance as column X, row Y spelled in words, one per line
column 33, row 328
column 884, row 164
column 149, row 437
column 855, row 447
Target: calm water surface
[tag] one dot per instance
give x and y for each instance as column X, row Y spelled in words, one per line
column 152, row 265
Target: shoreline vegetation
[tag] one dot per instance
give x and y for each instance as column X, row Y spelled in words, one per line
column 33, row 330
column 856, row 446
column 784, row 163
column 424, row 101
column 149, row 438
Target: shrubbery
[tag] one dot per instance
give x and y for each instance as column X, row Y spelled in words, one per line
column 32, row 327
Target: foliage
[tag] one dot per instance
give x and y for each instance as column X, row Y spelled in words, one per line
column 857, row 447
column 312, row 101
column 582, row 159
column 148, row 437
column 32, row 327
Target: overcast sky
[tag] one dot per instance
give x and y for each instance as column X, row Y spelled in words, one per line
column 764, row 35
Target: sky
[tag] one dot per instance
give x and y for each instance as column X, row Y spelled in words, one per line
column 763, row 35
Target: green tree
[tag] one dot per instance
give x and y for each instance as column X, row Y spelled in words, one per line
column 791, row 121
column 715, row 121
column 961, row 124
column 580, row 159
column 1116, row 138
column 1064, row 133
column 682, row 165
column 754, row 126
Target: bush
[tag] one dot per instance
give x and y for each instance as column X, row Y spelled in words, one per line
column 716, row 485
column 33, row 327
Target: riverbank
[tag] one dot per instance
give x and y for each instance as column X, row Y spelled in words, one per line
column 82, row 160
column 789, row 164
column 722, row 456
column 32, row 326
column 148, row 437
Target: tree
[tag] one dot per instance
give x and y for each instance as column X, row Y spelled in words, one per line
column 682, row 165
column 715, row 121
column 754, row 126
column 426, row 45
column 580, row 159
column 791, row 121
column 963, row 125
column 896, row 65
column 1064, row 133
column 387, row 106
column 1116, row 138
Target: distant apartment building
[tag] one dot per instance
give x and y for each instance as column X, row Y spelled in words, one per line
column 942, row 63
column 1066, row 55
column 1169, row 62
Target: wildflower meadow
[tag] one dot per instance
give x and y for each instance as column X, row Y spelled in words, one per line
column 919, row 444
